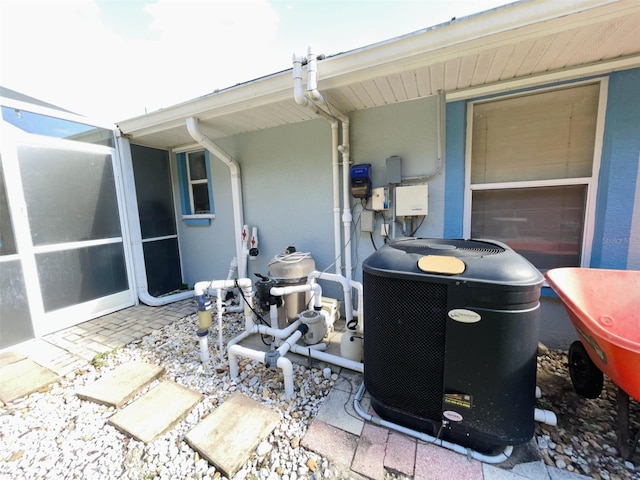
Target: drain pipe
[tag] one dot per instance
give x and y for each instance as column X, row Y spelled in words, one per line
column 133, row 221
column 498, row 458
column 316, row 97
column 236, row 187
column 303, row 101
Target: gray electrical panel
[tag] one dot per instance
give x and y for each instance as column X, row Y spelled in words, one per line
column 394, row 169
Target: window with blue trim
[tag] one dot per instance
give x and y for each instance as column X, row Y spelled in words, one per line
column 196, row 191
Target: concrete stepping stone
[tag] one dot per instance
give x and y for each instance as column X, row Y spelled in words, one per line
column 115, row 388
column 155, row 412
column 23, row 377
column 228, row 436
column 8, row 357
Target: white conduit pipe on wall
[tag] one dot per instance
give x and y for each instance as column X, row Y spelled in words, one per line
column 236, row 187
column 133, row 221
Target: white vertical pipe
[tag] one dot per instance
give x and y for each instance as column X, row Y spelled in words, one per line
column 335, row 175
column 236, row 186
column 301, row 99
column 220, row 308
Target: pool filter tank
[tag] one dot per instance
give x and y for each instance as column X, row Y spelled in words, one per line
column 451, row 339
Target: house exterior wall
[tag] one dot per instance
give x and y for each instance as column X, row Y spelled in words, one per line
column 617, row 233
column 287, row 188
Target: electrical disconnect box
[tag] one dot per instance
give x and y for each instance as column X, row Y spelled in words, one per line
column 412, row 200
column 366, row 221
column 380, row 199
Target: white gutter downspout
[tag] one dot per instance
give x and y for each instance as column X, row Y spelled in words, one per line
column 236, row 188
column 316, row 96
column 303, row 101
column 133, row 218
column 318, row 100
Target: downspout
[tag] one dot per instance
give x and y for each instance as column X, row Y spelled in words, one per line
column 133, row 218
column 236, row 188
column 318, row 100
column 303, row 101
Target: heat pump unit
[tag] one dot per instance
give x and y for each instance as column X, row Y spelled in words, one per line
column 450, row 339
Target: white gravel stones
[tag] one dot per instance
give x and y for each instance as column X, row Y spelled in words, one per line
column 53, row 434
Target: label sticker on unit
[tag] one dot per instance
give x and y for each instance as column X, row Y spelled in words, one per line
column 463, row 315
column 453, row 416
column 458, row 399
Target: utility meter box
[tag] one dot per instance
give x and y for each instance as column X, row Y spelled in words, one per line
column 412, row 200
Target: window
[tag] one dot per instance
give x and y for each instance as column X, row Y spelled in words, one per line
column 196, row 191
column 531, row 176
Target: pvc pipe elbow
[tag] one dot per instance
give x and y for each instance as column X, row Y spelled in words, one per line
column 545, row 416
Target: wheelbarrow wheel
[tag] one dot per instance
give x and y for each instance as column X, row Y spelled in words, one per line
column 587, row 379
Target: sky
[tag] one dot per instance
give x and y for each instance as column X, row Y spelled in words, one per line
column 117, row 59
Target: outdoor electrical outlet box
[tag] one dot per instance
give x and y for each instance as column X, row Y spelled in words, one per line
column 380, row 199
column 412, row 200
column 366, row 221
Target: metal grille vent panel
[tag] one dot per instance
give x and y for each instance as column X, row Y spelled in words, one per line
column 454, row 248
column 404, row 343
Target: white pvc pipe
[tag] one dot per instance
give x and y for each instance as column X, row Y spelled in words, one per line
column 204, row 348
column 277, row 332
column 498, row 458
column 220, row 310
column 236, row 186
column 239, row 338
column 286, row 366
column 133, row 222
column 283, row 363
column 201, row 288
column 286, row 345
column 329, row 358
column 301, row 99
column 347, row 285
column 320, row 102
column 545, row 416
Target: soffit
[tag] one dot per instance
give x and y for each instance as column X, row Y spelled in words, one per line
column 495, row 50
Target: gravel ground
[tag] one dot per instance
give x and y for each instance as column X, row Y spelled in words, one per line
column 53, row 434
column 585, row 439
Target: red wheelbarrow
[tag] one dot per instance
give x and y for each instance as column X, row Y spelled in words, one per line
column 604, row 307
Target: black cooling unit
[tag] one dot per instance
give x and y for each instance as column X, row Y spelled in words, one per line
column 450, row 339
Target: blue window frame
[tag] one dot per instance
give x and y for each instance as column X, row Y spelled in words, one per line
column 196, row 189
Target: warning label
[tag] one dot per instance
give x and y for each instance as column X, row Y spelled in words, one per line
column 458, row 399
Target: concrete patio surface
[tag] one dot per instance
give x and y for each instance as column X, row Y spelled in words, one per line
column 337, row 432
